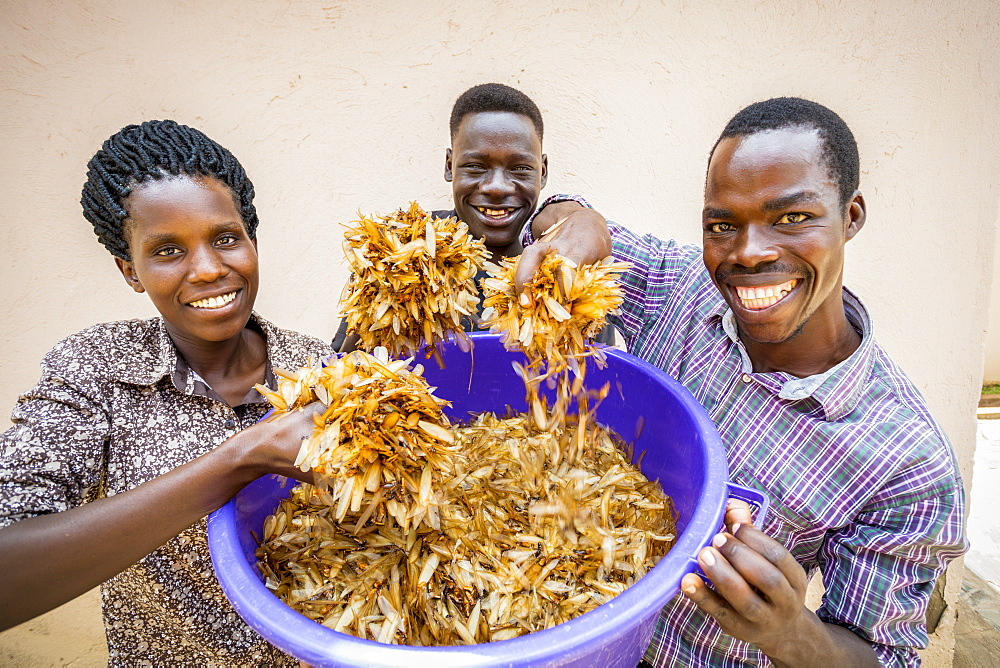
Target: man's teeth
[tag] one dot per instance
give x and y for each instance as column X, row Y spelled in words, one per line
column 214, row 302
column 494, row 213
column 756, row 299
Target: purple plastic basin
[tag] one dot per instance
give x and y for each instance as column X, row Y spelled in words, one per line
column 644, row 405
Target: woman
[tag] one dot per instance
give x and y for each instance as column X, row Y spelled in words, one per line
column 133, row 434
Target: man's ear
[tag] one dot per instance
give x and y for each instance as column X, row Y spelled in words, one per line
column 447, row 165
column 856, row 214
column 131, row 279
column 545, row 169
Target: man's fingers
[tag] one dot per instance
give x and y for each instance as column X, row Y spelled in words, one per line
column 712, row 604
column 731, row 581
column 706, row 599
column 528, row 263
column 749, row 581
column 738, row 511
column 774, row 552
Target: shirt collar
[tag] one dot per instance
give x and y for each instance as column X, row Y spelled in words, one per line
column 838, row 389
column 150, row 356
column 154, row 356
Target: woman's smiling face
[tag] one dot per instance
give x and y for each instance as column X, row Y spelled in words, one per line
column 192, row 255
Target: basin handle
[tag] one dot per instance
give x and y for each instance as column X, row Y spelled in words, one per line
column 758, row 505
column 758, row 501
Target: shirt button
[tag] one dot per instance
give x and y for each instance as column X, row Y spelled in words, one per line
column 745, row 378
column 230, row 423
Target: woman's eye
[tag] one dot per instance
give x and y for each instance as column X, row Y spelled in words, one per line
column 164, row 252
column 226, row 240
column 792, row 218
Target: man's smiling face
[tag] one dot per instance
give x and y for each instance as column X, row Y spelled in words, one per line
column 497, row 172
column 774, row 234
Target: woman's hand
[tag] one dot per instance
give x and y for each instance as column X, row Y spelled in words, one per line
column 272, row 445
column 50, row 559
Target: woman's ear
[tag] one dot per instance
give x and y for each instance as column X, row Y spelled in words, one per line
column 131, row 279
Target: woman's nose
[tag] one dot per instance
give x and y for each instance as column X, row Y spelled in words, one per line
column 206, row 266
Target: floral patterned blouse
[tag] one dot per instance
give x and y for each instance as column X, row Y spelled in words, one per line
column 117, row 406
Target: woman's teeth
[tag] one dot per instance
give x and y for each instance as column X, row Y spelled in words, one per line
column 214, row 302
column 755, row 299
column 494, row 213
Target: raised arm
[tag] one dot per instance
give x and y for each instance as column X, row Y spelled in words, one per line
column 576, row 232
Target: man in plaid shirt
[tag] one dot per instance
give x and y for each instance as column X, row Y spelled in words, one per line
column 758, row 326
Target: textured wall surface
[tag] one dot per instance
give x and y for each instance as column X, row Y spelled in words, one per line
column 337, row 106
column 991, row 371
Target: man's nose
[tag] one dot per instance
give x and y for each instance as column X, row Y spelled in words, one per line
column 498, row 183
column 754, row 247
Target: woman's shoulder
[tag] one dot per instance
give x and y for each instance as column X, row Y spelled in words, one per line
column 111, row 341
column 133, row 351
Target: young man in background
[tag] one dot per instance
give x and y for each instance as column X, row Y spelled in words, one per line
column 497, row 170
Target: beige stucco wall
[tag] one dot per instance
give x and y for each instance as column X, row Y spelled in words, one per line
column 336, row 106
column 991, row 369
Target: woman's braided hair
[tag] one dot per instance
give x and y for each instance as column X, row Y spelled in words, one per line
column 154, row 150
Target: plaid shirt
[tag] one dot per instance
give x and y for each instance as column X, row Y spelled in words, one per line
column 863, row 482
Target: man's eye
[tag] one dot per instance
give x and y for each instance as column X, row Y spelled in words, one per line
column 718, row 228
column 792, row 218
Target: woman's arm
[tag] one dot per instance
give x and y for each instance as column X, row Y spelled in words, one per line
column 50, row 559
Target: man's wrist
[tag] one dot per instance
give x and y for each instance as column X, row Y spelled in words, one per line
column 528, row 235
column 555, row 199
column 813, row 642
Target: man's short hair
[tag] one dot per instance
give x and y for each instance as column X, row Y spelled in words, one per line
column 840, row 150
column 494, row 97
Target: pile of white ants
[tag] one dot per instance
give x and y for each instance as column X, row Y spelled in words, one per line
column 424, row 532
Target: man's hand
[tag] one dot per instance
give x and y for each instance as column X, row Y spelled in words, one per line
column 569, row 229
column 760, row 595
